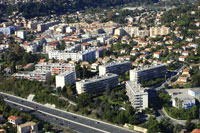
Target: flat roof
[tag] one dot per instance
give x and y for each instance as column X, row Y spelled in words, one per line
column 136, row 87
column 98, row 78
column 115, row 63
column 180, row 94
column 149, row 67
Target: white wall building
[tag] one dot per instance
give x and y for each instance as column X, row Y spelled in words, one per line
column 184, row 98
column 88, row 55
column 137, row 95
column 114, row 67
column 97, row 84
column 21, row 34
column 55, row 68
column 29, row 47
column 66, row 77
column 34, row 75
column 148, row 72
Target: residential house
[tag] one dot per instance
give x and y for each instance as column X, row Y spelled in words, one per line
column 14, row 120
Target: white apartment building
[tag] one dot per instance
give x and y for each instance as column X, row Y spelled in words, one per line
column 29, row 47
column 55, row 68
column 21, row 34
column 148, row 72
column 34, row 75
column 138, row 96
column 97, row 84
column 65, row 77
column 136, row 32
column 156, row 31
column 87, row 55
column 114, row 67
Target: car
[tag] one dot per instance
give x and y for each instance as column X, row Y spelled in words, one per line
column 97, row 122
column 35, row 107
column 21, row 109
column 74, row 116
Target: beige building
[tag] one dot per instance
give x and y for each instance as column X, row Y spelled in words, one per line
column 159, row 31
column 28, row 127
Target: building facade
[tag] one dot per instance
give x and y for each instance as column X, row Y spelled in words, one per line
column 138, row 96
column 88, row 55
column 55, row 68
column 148, row 72
column 66, row 77
column 97, row 84
column 159, row 31
column 28, row 127
column 114, row 67
column 34, row 75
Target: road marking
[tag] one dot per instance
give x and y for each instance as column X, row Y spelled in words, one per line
column 70, row 113
column 58, row 117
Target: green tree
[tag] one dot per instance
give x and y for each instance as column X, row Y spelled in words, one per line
column 69, row 89
column 153, row 125
column 46, row 127
column 13, row 67
column 84, row 72
column 177, row 128
column 166, row 125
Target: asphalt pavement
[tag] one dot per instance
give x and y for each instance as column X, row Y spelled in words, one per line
column 62, row 118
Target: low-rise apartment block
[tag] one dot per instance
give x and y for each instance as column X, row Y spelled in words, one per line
column 138, row 96
column 97, row 84
column 34, row 75
column 55, row 68
column 114, row 67
column 148, row 72
column 65, row 77
column 88, row 55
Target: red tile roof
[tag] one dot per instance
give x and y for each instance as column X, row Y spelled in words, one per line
column 14, row 118
column 196, row 131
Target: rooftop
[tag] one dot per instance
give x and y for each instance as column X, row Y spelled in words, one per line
column 136, row 87
column 65, row 73
column 98, row 78
column 27, row 124
column 13, row 117
column 149, row 67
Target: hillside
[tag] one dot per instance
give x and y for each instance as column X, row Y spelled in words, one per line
column 47, row 7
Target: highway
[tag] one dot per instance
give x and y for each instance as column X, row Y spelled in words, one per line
column 61, row 118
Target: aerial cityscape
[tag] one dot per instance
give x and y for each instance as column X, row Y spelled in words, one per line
column 99, row 66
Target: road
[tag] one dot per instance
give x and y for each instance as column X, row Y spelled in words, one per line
column 168, row 81
column 61, row 118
